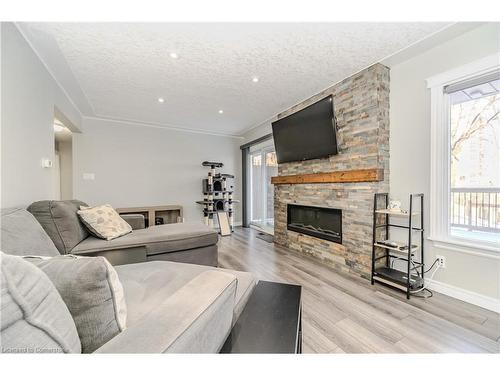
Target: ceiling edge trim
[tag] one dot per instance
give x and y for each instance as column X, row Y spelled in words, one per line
column 160, row 126
column 418, row 47
column 35, row 51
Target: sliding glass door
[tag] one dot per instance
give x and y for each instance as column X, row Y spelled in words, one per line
column 263, row 166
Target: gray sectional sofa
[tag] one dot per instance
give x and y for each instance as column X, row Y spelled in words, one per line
column 180, row 242
column 171, row 307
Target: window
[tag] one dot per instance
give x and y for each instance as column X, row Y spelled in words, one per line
column 465, row 155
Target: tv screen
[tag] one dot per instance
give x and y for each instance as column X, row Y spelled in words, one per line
column 307, row 134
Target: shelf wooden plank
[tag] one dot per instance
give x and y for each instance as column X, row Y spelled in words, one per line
column 358, row 175
column 396, row 249
column 389, row 282
column 396, row 213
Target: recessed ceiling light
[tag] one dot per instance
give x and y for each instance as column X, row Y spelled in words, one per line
column 174, row 55
column 161, row 100
column 221, row 111
column 255, row 79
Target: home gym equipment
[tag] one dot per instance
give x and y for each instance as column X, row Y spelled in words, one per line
column 218, row 197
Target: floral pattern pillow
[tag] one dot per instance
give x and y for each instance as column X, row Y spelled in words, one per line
column 104, row 222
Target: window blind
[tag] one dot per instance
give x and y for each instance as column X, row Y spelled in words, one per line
column 459, row 86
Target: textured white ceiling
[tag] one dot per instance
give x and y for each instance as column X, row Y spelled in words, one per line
column 118, row 70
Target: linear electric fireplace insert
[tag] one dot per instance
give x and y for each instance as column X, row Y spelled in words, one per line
column 321, row 222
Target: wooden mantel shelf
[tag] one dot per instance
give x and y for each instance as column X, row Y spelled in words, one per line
column 358, row 175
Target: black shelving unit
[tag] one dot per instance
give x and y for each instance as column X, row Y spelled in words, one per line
column 413, row 278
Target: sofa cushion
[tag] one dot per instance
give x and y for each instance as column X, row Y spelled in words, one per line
column 34, row 318
column 194, row 319
column 103, row 222
column 22, row 234
column 148, row 284
column 60, row 221
column 156, row 239
column 91, row 289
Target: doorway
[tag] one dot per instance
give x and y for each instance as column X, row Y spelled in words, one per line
column 262, row 166
column 63, row 161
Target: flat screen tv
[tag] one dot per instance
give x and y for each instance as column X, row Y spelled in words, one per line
column 307, row 134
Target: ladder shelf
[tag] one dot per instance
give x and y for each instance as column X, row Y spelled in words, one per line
column 412, row 279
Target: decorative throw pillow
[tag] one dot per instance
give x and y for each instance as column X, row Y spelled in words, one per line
column 93, row 293
column 104, row 222
column 34, row 318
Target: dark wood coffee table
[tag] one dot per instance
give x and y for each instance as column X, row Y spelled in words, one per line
column 270, row 321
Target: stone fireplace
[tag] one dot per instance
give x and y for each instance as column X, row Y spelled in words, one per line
column 361, row 104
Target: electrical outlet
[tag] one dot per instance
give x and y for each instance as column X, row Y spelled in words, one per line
column 441, row 261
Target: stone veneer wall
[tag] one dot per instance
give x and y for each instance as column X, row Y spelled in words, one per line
column 361, row 104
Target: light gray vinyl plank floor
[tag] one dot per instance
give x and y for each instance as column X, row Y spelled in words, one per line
column 343, row 313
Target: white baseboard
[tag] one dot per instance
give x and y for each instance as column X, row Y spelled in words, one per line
column 474, row 298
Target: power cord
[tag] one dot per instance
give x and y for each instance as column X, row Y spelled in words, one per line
column 433, row 264
column 424, row 297
column 424, row 288
column 418, row 273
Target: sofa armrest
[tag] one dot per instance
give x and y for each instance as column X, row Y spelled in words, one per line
column 195, row 319
column 136, row 221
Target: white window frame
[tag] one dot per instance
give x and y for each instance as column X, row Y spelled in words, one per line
column 440, row 151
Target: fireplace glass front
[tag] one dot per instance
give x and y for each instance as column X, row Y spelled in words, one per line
column 321, row 222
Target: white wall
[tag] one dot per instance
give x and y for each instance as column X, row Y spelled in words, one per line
column 29, row 97
column 410, row 147
column 142, row 165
